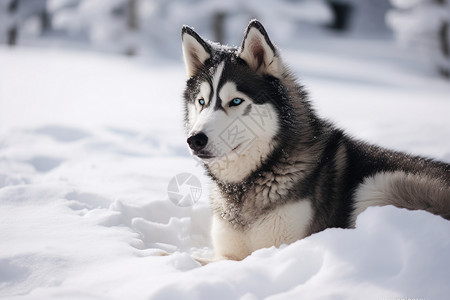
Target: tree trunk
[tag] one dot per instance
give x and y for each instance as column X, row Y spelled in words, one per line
column 218, row 26
column 445, row 48
column 342, row 15
column 132, row 24
column 132, row 15
column 444, row 42
column 13, row 31
column 45, row 21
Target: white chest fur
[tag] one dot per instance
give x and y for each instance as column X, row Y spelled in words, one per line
column 283, row 225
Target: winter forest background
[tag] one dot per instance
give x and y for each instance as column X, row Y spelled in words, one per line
column 151, row 27
column 92, row 140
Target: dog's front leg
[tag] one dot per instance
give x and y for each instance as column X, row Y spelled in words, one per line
column 229, row 242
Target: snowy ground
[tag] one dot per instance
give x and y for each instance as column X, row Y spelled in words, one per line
column 88, row 145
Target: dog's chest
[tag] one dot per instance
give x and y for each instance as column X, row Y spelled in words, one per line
column 283, row 225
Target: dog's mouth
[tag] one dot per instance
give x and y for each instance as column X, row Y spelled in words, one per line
column 204, row 156
column 207, row 156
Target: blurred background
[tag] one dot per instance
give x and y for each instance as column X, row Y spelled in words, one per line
column 151, row 28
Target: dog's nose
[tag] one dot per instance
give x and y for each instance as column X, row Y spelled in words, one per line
column 197, row 142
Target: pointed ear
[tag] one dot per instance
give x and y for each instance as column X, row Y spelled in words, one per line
column 258, row 51
column 195, row 50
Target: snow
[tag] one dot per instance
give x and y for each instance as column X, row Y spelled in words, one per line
column 89, row 144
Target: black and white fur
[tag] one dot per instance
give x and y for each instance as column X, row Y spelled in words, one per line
column 288, row 173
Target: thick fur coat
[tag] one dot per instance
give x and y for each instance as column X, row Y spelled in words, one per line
column 279, row 172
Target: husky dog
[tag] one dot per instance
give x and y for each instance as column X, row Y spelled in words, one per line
column 279, row 172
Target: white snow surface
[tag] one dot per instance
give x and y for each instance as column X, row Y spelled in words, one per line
column 89, row 143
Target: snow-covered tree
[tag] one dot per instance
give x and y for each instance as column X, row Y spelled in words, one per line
column 22, row 18
column 8, row 21
column 111, row 25
column 362, row 17
column 144, row 26
column 224, row 18
column 424, row 24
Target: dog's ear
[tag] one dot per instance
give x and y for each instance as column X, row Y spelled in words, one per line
column 258, row 51
column 195, row 50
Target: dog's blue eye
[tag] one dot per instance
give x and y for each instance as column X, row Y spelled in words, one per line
column 201, row 101
column 236, row 102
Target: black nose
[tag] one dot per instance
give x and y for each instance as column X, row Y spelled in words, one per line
column 197, row 142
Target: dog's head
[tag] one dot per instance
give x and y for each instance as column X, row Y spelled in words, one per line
column 231, row 101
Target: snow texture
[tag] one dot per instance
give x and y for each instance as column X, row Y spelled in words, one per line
column 89, row 144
